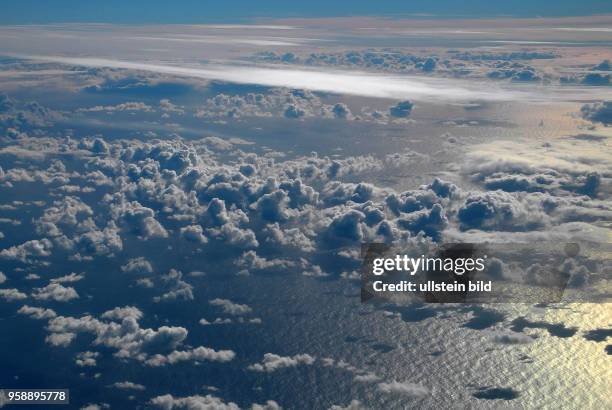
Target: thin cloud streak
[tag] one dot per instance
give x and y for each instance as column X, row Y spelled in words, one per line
column 343, row 82
column 227, row 40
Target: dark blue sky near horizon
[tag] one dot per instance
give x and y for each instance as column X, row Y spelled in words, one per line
column 192, row 11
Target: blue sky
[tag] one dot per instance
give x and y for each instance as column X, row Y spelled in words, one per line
column 192, row 11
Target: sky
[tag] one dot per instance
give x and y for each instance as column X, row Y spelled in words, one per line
column 191, row 11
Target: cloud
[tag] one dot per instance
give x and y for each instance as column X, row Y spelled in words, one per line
column 401, row 110
column 252, row 41
column 176, row 287
column 353, row 405
column 141, row 220
column 55, row 292
column 605, row 65
column 73, row 277
column 366, row 378
column 340, row 110
column 272, row 362
column 403, row 388
column 86, row 359
column 12, row 295
column 127, row 106
column 346, row 227
column 70, row 225
column 498, row 210
column 30, row 249
column 60, row 339
column 119, row 330
column 198, row 354
column 288, row 237
column 596, row 79
column 431, row 222
column 598, row 112
column 93, row 406
column 169, row 402
column 138, row 265
column 194, row 233
column 269, row 405
column 230, row 307
column 120, row 313
column 128, row 386
column 36, row 312
column 354, row 83
column 250, row 261
column 275, row 102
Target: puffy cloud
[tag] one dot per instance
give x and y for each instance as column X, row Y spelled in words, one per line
column 138, row 265
column 217, row 321
column 141, row 220
column 21, row 116
column 336, row 193
column 55, row 292
column 250, row 261
column 2, row 278
column 60, row 339
column 26, row 251
column 94, row 406
column 120, row 313
column 99, row 146
column 176, row 287
column 346, row 227
column 168, row 107
column 605, row 65
column 598, row 112
column 230, row 307
column 289, row 237
column 292, row 111
column 123, row 334
column 12, row 295
column 272, row 206
column 401, row 109
column 235, row 236
column 340, row 110
column 314, row 271
column 499, row 210
column 596, row 79
column 86, row 359
column 272, row 362
column 431, row 222
column 194, row 233
column 169, row 402
column 277, row 102
column 69, row 222
column 269, row 405
column 36, row 312
column 353, row 405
